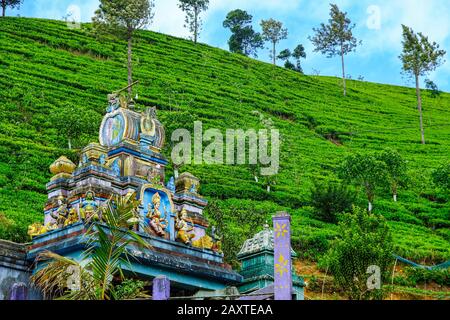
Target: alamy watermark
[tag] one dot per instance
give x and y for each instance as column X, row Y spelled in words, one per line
column 236, row 146
column 374, row 280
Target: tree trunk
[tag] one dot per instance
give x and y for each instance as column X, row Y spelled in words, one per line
column 195, row 25
column 130, row 63
column 256, row 179
column 419, row 106
column 70, row 144
column 274, row 54
column 3, row 8
column 268, row 188
column 395, row 197
column 343, row 70
column 370, row 207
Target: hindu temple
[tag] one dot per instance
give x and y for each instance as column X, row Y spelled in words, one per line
column 128, row 160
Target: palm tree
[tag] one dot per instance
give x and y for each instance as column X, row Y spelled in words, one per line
column 106, row 253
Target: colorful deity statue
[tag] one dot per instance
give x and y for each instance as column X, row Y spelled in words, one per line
column 217, row 240
column 157, row 223
column 72, row 218
column 89, row 208
column 37, row 229
column 133, row 222
column 171, row 184
column 184, row 229
column 60, row 215
column 205, row 242
column 113, row 102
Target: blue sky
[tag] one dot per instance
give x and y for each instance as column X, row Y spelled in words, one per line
column 378, row 25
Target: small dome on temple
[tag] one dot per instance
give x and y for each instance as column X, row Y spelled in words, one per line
column 62, row 165
column 260, row 242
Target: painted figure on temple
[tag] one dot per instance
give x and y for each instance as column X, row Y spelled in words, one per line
column 37, row 229
column 217, row 240
column 115, row 167
column 60, row 215
column 183, row 227
column 102, row 160
column 205, row 242
column 171, row 184
column 89, row 208
column 113, row 102
column 157, row 223
column 155, row 176
column 72, row 218
column 134, row 221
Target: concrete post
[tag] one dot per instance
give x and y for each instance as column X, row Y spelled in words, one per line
column 161, row 288
column 282, row 256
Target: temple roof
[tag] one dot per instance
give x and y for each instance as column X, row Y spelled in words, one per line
column 261, row 241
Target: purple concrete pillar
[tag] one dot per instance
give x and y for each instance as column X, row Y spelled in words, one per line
column 161, row 288
column 282, row 256
column 19, row 291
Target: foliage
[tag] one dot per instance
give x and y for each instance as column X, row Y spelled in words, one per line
column 284, row 54
column 364, row 241
column 244, row 40
column 416, row 276
column 441, row 176
column 193, row 9
column 419, row 57
column 330, row 199
column 364, row 170
column 434, row 90
column 122, row 18
column 9, row 3
column 396, row 169
column 273, row 32
column 72, row 123
column 336, row 37
column 298, row 54
column 103, row 259
column 130, row 289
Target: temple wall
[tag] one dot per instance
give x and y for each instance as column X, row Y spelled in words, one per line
column 14, row 269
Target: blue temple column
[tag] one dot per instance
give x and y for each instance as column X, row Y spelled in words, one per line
column 19, row 291
column 161, row 288
column 282, row 256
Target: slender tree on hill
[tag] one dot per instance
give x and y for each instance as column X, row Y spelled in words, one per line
column 121, row 18
column 244, row 39
column 284, row 55
column 396, row 169
column 9, row 3
column 419, row 57
column 298, row 54
column 336, row 38
column 193, row 9
column 273, row 32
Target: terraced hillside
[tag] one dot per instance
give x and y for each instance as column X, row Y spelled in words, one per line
column 48, row 70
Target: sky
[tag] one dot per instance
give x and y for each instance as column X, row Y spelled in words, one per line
column 378, row 25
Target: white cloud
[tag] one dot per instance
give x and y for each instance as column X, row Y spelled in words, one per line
column 169, row 19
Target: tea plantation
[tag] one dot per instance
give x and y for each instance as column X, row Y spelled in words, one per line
column 49, row 72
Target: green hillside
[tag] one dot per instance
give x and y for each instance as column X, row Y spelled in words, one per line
column 47, row 69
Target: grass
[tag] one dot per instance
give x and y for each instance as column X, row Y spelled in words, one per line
column 46, row 67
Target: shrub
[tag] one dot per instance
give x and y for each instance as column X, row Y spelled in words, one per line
column 331, row 199
column 365, row 241
column 441, row 177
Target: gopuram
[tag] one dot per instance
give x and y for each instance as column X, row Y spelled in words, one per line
column 128, row 160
